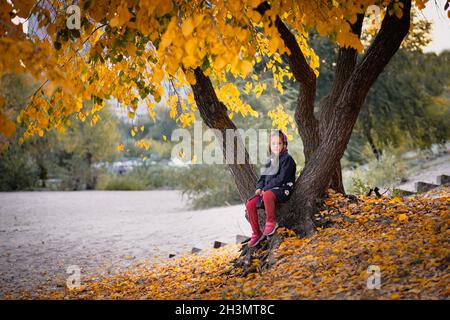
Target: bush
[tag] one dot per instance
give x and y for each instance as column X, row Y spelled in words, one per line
column 157, row 177
column 141, row 178
column 208, row 186
column 385, row 173
column 17, row 172
column 120, row 182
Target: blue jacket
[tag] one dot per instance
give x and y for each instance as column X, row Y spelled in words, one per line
column 282, row 182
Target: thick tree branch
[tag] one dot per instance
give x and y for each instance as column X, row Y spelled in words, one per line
column 297, row 61
column 337, row 134
column 385, row 45
column 345, row 64
column 307, row 124
column 214, row 114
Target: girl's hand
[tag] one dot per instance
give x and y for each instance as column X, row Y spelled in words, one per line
column 258, row 192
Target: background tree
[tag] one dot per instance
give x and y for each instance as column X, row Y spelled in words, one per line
column 17, row 164
column 401, row 109
column 85, row 143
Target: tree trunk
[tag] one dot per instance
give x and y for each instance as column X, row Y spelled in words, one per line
column 366, row 120
column 336, row 181
column 91, row 178
column 376, row 152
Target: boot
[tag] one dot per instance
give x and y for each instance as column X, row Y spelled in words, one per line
column 271, row 220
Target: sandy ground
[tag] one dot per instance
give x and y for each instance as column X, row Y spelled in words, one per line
column 43, row 233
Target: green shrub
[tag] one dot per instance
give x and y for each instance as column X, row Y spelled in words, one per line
column 157, row 177
column 120, row 182
column 141, row 178
column 359, row 186
column 208, row 186
column 385, row 173
column 17, row 172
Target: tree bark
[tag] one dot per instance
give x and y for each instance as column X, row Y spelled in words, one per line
column 339, row 109
column 336, row 182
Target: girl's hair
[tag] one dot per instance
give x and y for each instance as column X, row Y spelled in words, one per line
column 283, row 138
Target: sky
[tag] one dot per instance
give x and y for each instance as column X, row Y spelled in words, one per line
column 440, row 34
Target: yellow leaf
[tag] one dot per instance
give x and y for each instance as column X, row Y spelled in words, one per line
column 7, row 127
column 190, row 77
column 395, row 296
column 191, row 46
column 189, row 61
column 219, row 63
column 123, row 15
column 187, row 27
column 242, row 35
column 245, row 67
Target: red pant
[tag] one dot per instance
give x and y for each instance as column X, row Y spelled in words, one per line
column 269, row 199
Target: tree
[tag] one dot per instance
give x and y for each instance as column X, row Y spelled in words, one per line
column 83, row 144
column 131, row 49
column 399, row 109
column 20, row 169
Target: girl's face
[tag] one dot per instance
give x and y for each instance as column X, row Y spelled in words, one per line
column 276, row 145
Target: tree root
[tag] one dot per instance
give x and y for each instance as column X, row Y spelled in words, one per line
column 256, row 259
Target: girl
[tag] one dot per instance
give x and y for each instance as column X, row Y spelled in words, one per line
column 274, row 185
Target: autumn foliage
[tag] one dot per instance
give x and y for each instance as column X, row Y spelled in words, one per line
column 128, row 49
